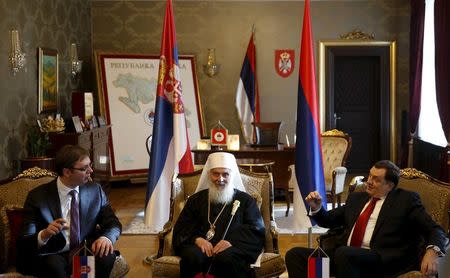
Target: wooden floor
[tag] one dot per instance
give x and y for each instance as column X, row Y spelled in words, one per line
column 129, row 199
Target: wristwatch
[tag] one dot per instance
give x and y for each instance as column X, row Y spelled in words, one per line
column 436, row 249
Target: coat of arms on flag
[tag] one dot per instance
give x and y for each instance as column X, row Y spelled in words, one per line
column 83, row 263
column 219, row 135
column 284, row 61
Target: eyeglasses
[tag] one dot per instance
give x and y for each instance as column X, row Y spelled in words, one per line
column 83, row 169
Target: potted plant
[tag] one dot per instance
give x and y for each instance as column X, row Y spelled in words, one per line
column 37, row 145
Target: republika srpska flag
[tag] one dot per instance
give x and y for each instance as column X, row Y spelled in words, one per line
column 247, row 95
column 308, row 149
column 171, row 153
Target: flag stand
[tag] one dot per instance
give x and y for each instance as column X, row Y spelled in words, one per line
column 83, row 265
column 318, row 266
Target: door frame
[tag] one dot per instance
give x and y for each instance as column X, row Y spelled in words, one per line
column 324, row 46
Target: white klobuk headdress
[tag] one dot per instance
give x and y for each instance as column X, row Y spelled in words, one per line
column 221, row 160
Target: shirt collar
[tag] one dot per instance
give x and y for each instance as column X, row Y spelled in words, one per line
column 64, row 189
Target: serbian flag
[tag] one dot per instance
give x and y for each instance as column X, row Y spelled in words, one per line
column 170, row 153
column 308, row 150
column 83, row 267
column 318, row 267
column 247, row 95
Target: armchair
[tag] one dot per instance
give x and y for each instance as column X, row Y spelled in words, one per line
column 435, row 197
column 335, row 149
column 12, row 199
column 258, row 185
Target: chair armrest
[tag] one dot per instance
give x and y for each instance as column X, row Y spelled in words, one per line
column 330, row 240
column 274, row 233
column 161, row 237
column 340, row 170
column 339, row 174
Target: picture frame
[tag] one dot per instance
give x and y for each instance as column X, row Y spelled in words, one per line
column 77, row 124
column 123, row 80
column 48, row 69
column 101, row 121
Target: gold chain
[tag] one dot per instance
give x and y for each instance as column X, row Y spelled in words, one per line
column 213, row 225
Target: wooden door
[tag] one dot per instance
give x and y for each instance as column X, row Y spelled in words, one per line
column 358, row 101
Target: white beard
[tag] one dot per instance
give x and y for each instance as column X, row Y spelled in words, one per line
column 224, row 196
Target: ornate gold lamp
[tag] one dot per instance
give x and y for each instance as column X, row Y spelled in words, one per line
column 211, row 68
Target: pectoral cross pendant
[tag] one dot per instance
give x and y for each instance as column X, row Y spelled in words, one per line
column 210, row 233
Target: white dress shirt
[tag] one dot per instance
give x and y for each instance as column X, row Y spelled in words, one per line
column 370, row 224
column 65, row 200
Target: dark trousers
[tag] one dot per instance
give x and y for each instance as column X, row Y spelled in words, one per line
column 345, row 262
column 60, row 265
column 228, row 263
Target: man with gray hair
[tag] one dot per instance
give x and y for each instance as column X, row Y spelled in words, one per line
column 200, row 236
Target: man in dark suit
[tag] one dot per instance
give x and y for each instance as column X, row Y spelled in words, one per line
column 61, row 215
column 385, row 231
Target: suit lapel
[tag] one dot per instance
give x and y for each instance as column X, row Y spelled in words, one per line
column 84, row 201
column 53, row 201
column 383, row 213
column 359, row 207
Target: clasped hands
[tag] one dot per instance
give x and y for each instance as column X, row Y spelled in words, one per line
column 102, row 246
column 209, row 249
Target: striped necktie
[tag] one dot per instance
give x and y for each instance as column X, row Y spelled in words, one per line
column 74, row 220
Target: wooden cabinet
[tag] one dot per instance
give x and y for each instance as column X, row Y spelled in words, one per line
column 96, row 142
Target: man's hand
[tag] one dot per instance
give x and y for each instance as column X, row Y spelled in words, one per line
column 205, row 246
column 55, row 227
column 221, row 245
column 314, row 200
column 429, row 264
column 102, row 247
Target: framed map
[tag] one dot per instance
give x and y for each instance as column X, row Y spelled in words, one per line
column 127, row 93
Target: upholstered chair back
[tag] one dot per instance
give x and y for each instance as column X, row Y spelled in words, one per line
column 335, row 149
column 258, row 185
column 12, row 197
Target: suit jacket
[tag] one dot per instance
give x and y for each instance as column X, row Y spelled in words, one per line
column 402, row 230
column 43, row 206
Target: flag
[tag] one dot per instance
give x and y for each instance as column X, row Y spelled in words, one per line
column 308, row 150
column 170, row 153
column 247, row 95
column 83, row 267
column 318, row 267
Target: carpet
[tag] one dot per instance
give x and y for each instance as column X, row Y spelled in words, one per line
column 284, row 224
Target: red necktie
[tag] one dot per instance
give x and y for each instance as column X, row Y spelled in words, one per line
column 361, row 224
column 74, row 221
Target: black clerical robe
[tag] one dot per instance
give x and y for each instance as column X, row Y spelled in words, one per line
column 246, row 232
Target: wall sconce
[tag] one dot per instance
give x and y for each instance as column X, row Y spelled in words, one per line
column 76, row 64
column 17, row 58
column 211, row 68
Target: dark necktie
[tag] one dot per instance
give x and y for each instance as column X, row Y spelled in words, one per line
column 74, row 221
column 361, row 224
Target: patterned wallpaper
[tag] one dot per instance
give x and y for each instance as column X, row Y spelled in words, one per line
column 41, row 23
column 135, row 27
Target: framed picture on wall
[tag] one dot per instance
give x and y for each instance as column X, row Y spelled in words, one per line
column 47, row 80
column 127, row 100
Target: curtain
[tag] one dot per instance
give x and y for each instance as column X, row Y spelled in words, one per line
column 415, row 61
column 442, row 48
column 442, row 61
column 415, row 73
